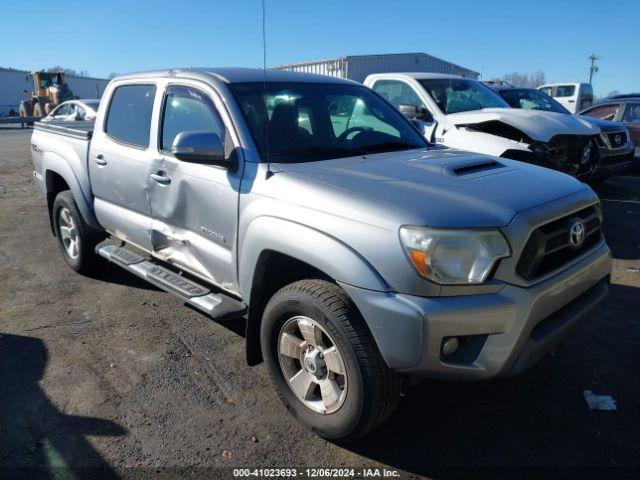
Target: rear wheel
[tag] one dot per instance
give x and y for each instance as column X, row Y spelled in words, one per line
column 76, row 238
column 323, row 361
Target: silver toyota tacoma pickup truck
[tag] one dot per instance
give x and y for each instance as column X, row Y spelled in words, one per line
column 358, row 254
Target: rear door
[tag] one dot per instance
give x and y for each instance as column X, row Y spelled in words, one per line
column 195, row 205
column 119, row 162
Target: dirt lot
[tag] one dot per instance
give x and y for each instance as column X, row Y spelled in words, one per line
column 110, row 377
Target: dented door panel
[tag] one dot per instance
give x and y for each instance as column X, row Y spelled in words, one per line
column 194, row 219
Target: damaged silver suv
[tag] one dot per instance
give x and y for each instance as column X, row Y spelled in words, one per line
column 307, row 207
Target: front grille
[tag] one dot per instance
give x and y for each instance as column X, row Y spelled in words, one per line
column 549, row 249
column 617, row 139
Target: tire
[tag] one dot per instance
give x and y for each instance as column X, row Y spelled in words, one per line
column 71, row 229
column 367, row 393
column 23, row 111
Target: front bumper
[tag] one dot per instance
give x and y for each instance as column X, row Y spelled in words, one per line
column 613, row 162
column 504, row 332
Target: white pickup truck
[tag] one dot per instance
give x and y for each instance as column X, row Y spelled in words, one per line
column 463, row 113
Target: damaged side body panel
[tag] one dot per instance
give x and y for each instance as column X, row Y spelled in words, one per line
column 194, row 238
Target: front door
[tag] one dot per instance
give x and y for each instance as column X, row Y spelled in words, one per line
column 194, row 206
column 119, row 161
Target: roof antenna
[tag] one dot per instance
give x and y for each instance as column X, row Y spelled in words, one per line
column 264, row 71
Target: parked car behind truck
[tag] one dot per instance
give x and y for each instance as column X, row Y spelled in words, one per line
column 572, row 96
column 74, row 111
column 463, row 113
column 357, row 254
column 613, row 149
column 625, row 110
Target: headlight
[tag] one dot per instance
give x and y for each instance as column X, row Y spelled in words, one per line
column 454, row 256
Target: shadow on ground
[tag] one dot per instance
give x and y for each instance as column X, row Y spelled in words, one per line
column 110, row 273
column 36, row 439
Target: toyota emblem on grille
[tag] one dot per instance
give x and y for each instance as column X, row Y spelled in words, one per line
column 577, row 233
column 617, row 139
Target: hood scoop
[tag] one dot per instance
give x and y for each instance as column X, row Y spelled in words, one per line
column 472, row 169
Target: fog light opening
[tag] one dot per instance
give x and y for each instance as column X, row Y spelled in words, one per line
column 450, row 346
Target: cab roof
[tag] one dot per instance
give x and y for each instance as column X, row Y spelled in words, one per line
column 239, row 75
column 418, row 75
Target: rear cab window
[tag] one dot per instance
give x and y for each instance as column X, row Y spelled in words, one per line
column 129, row 115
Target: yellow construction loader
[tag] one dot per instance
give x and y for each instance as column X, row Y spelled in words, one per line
column 49, row 90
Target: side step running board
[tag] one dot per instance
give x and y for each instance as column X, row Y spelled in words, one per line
column 218, row 305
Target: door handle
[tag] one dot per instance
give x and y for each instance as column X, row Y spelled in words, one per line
column 99, row 159
column 572, row 101
column 161, row 177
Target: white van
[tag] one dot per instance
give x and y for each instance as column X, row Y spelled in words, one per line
column 572, row 96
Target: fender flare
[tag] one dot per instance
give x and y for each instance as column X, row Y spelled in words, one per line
column 54, row 163
column 324, row 252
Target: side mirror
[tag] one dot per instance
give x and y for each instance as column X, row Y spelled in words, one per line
column 198, row 147
column 413, row 112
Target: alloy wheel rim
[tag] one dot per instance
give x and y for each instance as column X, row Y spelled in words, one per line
column 68, row 233
column 312, row 365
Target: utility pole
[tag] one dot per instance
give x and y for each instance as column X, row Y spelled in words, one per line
column 593, row 68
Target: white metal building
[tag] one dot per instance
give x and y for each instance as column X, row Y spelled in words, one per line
column 357, row 67
column 13, row 82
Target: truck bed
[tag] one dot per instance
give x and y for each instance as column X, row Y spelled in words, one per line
column 81, row 130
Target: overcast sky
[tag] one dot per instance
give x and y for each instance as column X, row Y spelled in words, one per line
column 492, row 37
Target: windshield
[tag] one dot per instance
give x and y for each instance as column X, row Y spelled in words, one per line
column 454, row 95
column 301, row 122
column 532, row 100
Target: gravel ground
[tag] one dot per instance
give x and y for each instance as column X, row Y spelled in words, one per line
column 109, row 377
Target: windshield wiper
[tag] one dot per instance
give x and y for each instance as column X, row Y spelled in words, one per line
column 295, row 154
column 390, row 147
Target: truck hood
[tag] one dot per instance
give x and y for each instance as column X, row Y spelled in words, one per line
column 538, row 125
column 441, row 187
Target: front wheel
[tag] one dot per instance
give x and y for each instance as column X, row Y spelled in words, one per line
column 76, row 238
column 323, row 361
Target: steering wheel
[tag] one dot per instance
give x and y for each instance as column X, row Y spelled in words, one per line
column 343, row 136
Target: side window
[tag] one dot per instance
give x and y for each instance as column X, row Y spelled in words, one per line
column 546, row 90
column 187, row 109
column 397, row 93
column 61, row 110
column 608, row 112
column 565, row 91
column 129, row 115
column 632, row 113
